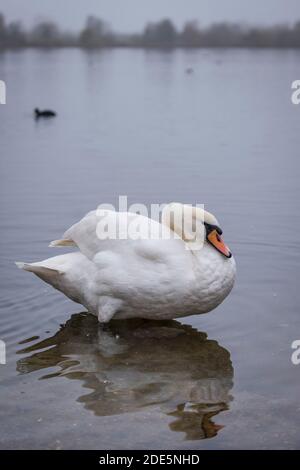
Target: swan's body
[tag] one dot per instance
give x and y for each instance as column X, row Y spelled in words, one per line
column 148, row 278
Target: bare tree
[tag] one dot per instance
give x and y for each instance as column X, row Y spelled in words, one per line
column 45, row 34
column 95, row 33
column 161, row 34
column 191, row 35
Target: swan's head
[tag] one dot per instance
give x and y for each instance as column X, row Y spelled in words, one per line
column 195, row 226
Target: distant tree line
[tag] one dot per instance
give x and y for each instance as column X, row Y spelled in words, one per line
column 163, row 34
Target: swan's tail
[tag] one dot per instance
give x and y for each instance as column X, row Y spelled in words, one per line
column 38, row 269
column 22, row 265
column 63, row 242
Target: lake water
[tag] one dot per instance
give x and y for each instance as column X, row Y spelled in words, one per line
column 132, row 122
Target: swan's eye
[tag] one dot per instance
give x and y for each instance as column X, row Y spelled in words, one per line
column 210, row 228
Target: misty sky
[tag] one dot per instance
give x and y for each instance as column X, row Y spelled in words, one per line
column 131, row 15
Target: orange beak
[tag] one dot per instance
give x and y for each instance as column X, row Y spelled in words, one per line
column 216, row 240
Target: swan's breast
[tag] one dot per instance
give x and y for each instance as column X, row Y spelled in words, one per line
column 214, row 279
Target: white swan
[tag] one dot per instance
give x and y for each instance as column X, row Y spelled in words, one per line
column 180, row 272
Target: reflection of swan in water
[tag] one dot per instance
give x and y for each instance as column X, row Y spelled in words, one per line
column 130, row 365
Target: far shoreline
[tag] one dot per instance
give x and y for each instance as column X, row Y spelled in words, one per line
column 146, row 48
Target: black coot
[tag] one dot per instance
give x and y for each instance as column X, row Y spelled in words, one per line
column 45, row 113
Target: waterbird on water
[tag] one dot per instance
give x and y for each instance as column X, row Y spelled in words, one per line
column 45, row 113
column 182, row 272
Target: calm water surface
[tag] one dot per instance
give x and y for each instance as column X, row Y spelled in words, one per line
column 134, row 123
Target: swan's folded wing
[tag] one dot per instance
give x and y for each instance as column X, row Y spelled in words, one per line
column 107, row 230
